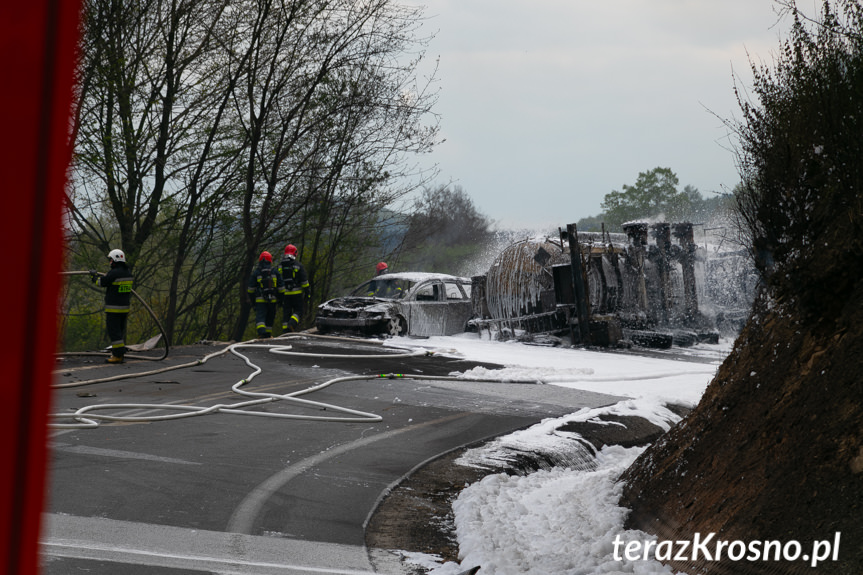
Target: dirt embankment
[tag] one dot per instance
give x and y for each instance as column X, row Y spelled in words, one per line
column 774, row 450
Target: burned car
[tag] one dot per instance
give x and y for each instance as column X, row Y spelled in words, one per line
column 401, row 304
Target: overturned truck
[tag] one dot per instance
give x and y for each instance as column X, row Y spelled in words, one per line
column 639, row 286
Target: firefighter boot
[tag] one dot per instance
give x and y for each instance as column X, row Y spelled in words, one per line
column 114, row 359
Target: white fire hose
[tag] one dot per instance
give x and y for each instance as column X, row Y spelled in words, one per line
column 85, row 416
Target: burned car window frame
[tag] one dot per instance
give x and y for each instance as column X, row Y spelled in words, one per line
column 383, row 287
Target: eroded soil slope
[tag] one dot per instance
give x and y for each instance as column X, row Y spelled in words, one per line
column 774, row 450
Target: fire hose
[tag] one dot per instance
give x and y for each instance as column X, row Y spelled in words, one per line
column 86, row 418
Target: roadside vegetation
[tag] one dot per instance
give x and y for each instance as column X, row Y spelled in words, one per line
column 445, row 232
column 206, row 132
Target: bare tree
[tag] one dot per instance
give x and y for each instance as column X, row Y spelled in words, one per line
column 445, row 230
column 328, row 112
column 206, row 131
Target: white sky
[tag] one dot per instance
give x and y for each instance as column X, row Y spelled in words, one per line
column 548, row 105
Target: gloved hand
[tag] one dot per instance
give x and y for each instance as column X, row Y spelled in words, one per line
column 94, row 275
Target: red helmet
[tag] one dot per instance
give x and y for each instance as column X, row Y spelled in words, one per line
column 266, row 256
column 291, row 250
column 381, row 266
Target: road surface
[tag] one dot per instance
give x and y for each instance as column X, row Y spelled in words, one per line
column 235, row 493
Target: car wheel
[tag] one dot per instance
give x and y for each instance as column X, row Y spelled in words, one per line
column 397, row 326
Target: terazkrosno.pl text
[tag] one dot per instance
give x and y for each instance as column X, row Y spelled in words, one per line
column 706, row 549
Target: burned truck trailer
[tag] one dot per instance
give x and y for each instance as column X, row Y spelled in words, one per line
column 639, row 285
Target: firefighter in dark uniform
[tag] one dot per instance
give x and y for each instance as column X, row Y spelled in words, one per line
column 294, row 275
column 118, row 296
column 265, row 288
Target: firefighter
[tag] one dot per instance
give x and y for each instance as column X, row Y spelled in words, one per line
column 296, row 281
column 118, row 296
column 265, row 289
column 381, row 268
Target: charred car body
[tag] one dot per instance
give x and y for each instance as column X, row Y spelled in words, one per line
column 396, row 304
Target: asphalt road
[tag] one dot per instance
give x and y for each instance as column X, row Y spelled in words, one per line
column 236, row 493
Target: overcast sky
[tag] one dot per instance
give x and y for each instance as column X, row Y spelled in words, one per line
column 548, row 105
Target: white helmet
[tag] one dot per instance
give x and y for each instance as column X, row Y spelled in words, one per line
column 117, row 256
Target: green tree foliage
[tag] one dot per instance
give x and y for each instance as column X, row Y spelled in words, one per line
column 653, row 195
column 591, row 223
column 445, row 231
column 800, row 203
